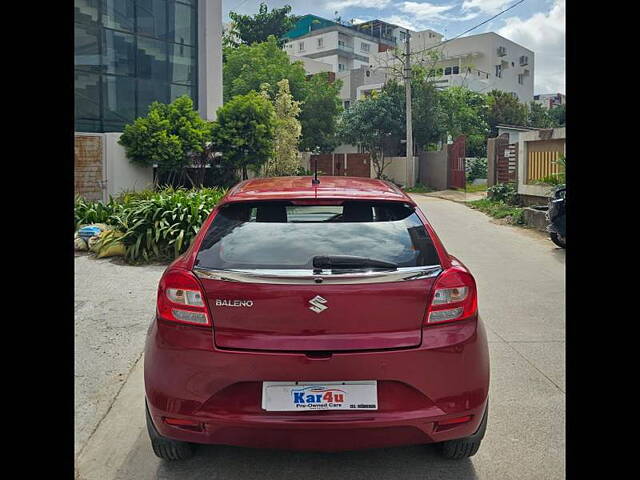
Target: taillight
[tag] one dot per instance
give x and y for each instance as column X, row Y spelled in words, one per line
column 454, row 297
column 180, row 299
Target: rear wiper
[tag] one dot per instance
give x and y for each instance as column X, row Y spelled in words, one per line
column 347, row 262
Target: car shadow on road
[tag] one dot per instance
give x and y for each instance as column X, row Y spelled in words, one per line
column 231, row 463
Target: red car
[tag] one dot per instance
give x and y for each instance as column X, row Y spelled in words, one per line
column 316, row 317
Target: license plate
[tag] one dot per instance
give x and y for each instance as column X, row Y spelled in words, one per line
column 306, row 396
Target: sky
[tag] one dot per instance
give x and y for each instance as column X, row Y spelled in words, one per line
column 538, row 25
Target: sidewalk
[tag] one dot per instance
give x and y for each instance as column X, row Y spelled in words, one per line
column 455, row 195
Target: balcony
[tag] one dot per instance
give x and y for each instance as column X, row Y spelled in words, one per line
column 345, row 48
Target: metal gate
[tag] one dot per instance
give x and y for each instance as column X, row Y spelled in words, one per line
column 456, row 177
column 341, row 164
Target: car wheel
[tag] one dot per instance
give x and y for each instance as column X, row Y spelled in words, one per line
column 465, row 447
column 558, row 240
column 165, row 448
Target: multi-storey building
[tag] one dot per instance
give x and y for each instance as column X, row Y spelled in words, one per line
column 361, row 56
column 131, row 53
column 486, row 62
column 550, row 100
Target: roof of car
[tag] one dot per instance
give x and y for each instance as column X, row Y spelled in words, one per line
column 290, row 188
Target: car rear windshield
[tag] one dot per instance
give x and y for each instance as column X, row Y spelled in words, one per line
column 281, row 235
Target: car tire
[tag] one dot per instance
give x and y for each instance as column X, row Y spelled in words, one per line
column 558, row 240
column 465, row 447
column 165, row 448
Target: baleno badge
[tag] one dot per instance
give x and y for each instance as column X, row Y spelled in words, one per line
column 317, row 304
column 234, row 303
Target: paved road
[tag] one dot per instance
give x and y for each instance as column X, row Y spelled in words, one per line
column 520, row 277
column 113, row 306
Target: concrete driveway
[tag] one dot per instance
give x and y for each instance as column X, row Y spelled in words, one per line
column 520, row 276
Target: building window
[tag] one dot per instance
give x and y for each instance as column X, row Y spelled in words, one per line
column 455, row 70
column 347, row 104
column 520, row 78
column 447, row 71
column 129, row 53
column 364, row 47
column 499, row 71
column 368, row 73
column 524, row 60
column 320, row 42
column 301, row 46
column 341, row 67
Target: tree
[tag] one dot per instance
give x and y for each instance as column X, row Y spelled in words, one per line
column 250, row 29
column 244, row 131
column 370, row 122
column 464, row 112
column 285, row 160
column 247, row 67
column 558, row 116
column 428, row 125
column 320, row 112
column 538, row 116
column 169, row 135
column 504, row 108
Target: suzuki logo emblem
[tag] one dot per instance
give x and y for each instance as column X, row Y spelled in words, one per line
column 317, row 304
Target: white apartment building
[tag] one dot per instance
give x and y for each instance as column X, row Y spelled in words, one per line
column 487, row 62
column 480, row 62
column 338, row 46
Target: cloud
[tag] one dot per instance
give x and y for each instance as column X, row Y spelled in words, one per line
column 544, row 33
column 432, row 13
column 377, row 4
column 403, row 21
column 485, row 6
column 424, row 11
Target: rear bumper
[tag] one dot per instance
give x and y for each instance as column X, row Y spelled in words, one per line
column 186, row 377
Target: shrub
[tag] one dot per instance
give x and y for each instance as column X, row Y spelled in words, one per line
column 155, row 225
column 500, row 210
column 162, row 227
column 167, row 136
column 503, row 192
column 476, row 168
column 95, row 212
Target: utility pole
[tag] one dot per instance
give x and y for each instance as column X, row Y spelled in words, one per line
column 407, row 89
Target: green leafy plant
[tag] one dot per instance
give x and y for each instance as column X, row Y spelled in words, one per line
column 285, row 159
column 249, row 29
column 154, row 225
column 168, row 136
column 476, row 168
column 162, row 227
column 244, row 131
column 86, row 212
column 503, row 192
column 499, row 209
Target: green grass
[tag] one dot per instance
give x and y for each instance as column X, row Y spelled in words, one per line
column 499, row 210
column 474, row 188
column 419, row 188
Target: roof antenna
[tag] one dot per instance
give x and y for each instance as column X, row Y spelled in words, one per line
column 314, row 180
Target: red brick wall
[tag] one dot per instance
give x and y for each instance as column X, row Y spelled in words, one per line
column 88, row 166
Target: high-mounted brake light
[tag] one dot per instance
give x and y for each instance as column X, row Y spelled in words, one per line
column 180, row 299
column 454, row 297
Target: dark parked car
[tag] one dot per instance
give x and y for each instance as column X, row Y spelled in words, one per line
column 316, row 317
